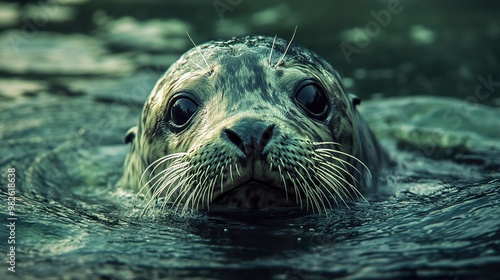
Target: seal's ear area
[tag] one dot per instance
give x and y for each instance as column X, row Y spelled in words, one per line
column 130, row 135
column 355, row 100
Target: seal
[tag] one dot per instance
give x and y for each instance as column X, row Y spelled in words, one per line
column 251, row 123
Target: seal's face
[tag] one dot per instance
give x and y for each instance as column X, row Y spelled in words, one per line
column 245, row 129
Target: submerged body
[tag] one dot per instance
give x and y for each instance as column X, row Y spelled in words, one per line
column 251, row 123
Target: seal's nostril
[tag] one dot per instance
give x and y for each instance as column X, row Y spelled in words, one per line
column 267, row 135
column 235, row 139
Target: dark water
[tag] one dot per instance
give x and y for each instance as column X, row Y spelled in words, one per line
column 73, row 78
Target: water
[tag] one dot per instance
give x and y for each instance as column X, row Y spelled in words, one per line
column 67, row 100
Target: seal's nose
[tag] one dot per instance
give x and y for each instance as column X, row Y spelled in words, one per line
column 250, row 136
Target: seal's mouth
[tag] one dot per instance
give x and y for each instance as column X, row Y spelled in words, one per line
column 253, row 195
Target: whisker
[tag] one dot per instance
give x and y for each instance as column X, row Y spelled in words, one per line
column 160, row 161
column 206, row 188
column 166, row 176
column 272, row 47
column 201, row 54
column 221, row 173
column 270, row 163
column 154, row 195
column 348, row 155
column 313, row 189
column 284, row 184
column 192, row 196
column 326, row 143
column 287, row 47
column 353, row 187
column 328, row 187
column 334, row 184
column 231, row 172
column 173, row 181
column 321, row 193
column 336, row 171
column 311, row 180
column 156, row 163
column 333, row 172
column 171, row 177
column 212, row 190
column 180, row 197
column 306, row 193
column 237, row 170
column 335, row 167
column 199, row 196
column 329, row 154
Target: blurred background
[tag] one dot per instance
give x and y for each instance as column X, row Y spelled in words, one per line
column 381, row 48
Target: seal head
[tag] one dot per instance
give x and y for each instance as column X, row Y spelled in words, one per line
column 251, row 123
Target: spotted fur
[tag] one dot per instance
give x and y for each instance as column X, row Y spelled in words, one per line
column 308, row 163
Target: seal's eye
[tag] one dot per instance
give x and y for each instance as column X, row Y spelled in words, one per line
column 180, row 112
column 312, row 98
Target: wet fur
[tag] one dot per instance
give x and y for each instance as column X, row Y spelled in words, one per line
column 312, row 164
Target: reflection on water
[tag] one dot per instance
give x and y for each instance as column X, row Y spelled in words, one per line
column 74, row 76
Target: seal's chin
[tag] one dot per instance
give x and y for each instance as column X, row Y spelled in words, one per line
column 253, row 195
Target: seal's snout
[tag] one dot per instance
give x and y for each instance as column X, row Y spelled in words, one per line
column 251, row 137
